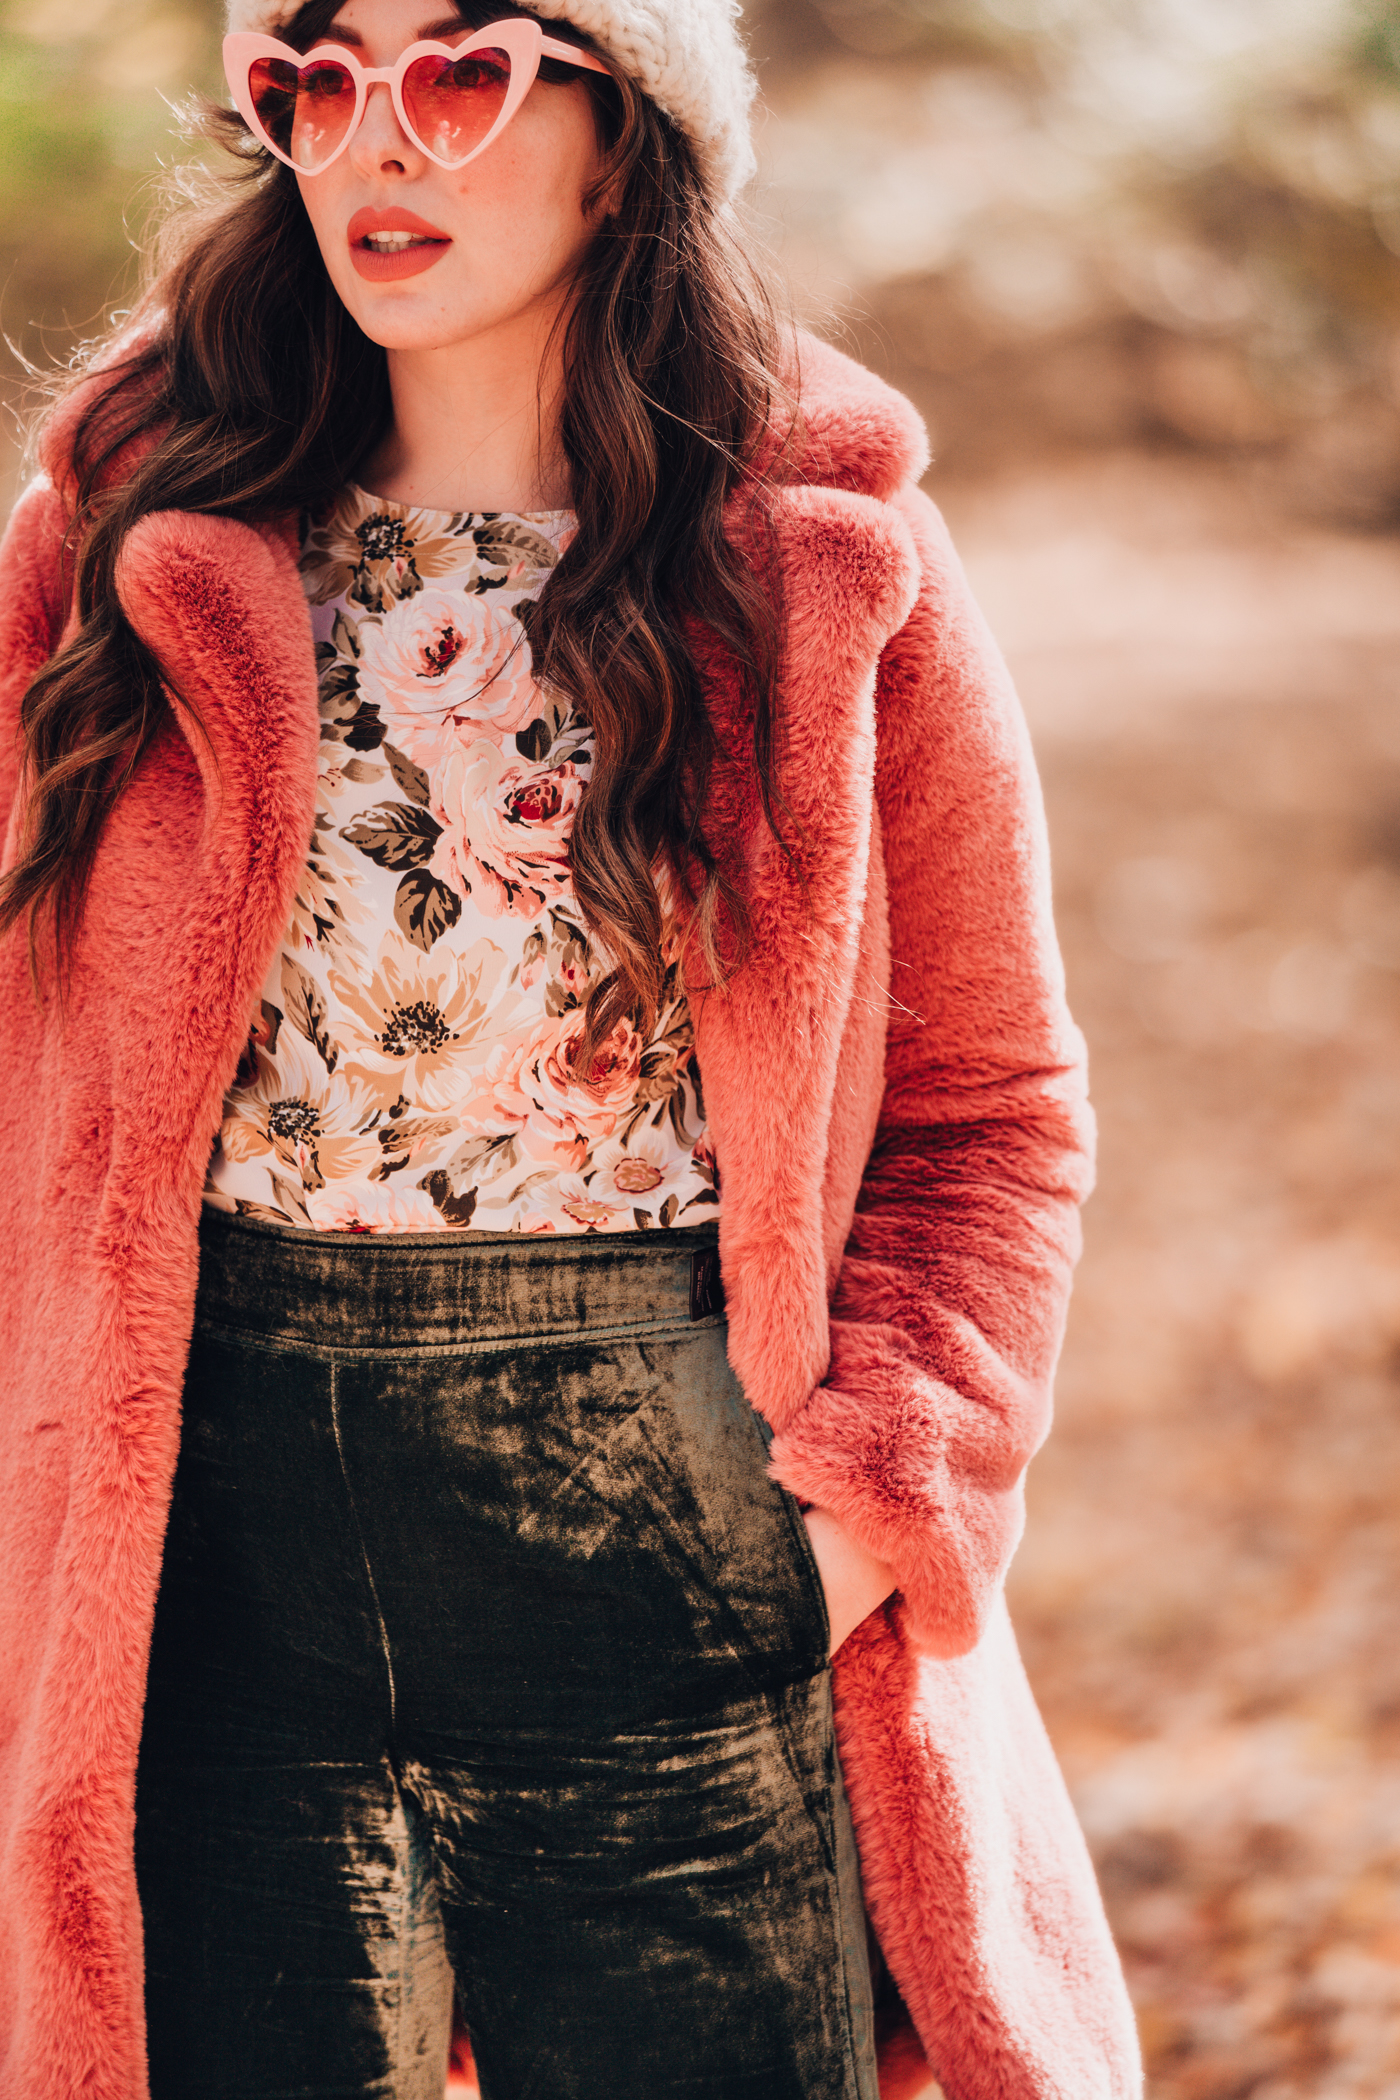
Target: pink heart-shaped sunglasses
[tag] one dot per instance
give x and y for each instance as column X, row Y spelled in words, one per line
column 452, row 100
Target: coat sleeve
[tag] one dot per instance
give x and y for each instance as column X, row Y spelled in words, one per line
column 951, row 1297
column 31, row 619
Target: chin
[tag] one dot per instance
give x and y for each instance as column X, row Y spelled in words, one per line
column 403, row 317
column 401, row 332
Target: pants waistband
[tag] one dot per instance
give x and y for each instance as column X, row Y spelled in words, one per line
column 445, row 1290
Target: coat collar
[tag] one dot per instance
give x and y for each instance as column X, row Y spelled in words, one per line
column 854, row 432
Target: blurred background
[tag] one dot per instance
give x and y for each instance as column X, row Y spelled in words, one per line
column 1139, row 263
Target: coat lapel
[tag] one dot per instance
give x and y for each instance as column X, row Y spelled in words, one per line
column 222, row 607
column 769, row 1042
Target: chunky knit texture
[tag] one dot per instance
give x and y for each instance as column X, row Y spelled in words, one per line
column 686, row 54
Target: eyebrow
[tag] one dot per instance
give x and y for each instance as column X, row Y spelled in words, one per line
column 340, row 33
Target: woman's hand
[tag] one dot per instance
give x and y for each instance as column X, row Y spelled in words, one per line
column 854, row 1581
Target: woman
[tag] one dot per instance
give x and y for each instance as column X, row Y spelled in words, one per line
column 656, row 1055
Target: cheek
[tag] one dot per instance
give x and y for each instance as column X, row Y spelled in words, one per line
column 528, row 209
column 327, row 215
column 537, row 176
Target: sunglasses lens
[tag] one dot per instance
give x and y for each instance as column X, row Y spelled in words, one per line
column 453, row 102
column 307, row 110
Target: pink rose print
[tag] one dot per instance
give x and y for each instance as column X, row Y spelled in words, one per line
column 443, row 662
column 610, row 1083
column 529, row 1085
column 414, row 1065
column 505, row 828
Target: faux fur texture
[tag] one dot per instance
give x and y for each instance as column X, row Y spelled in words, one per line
column 100, row 1193
column 949, row 1304
column 896, row 1096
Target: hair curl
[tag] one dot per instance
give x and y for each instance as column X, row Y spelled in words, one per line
column 257, row 395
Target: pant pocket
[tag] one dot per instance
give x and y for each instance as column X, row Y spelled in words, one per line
column 679, row 1489
column 805, row 1560
column 802, row 1547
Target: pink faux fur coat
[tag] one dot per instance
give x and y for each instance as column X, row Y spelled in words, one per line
column 896, row 1096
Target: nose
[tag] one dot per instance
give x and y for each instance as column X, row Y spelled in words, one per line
column 381, row 144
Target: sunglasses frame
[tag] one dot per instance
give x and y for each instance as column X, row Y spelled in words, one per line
column 521, row 38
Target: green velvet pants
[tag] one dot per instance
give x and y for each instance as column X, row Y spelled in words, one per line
column 488, row 1661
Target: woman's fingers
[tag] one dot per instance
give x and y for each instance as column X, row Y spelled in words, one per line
column 855, row 1582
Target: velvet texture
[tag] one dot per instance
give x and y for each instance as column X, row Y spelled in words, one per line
column 486, row 1651
column 896, row 1094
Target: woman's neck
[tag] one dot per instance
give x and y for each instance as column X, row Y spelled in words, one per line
column 476, row 424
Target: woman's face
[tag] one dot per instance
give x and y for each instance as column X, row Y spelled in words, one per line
column 494, row 242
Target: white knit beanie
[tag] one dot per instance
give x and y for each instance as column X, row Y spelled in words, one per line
column 686, row 54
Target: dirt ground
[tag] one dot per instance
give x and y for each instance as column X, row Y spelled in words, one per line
column 1206, row 1594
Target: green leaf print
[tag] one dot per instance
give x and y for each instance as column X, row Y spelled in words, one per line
column 453, row 1188
column 534, row 740
column 336, row 677
column 453, row 1208
column 580, row 753
column 400, row 1141
column 263, row 1212
column 291, row 1200
column 480, row 1159
column 424, row 907
column 339, row 697
column 411, row 780
column 393, row 835
column 345, row 637
column 366, row 731
column 526, row 612
column 503, row 542
column 673, row 1111
column 305, row 1007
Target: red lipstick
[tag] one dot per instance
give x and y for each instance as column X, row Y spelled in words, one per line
column 384, row 261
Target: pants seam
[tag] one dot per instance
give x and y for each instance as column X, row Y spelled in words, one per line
column 852, row 2079
column 406, row 1893
column 837, row 1812
column 364, row 1551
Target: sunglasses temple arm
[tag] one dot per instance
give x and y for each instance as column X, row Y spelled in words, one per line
column 571, row 55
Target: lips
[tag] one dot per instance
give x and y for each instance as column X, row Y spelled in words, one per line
column 417, row 247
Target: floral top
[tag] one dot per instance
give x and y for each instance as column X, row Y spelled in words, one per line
column 411, row 1066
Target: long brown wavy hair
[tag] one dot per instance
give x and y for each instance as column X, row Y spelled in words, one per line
column 258, row 395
